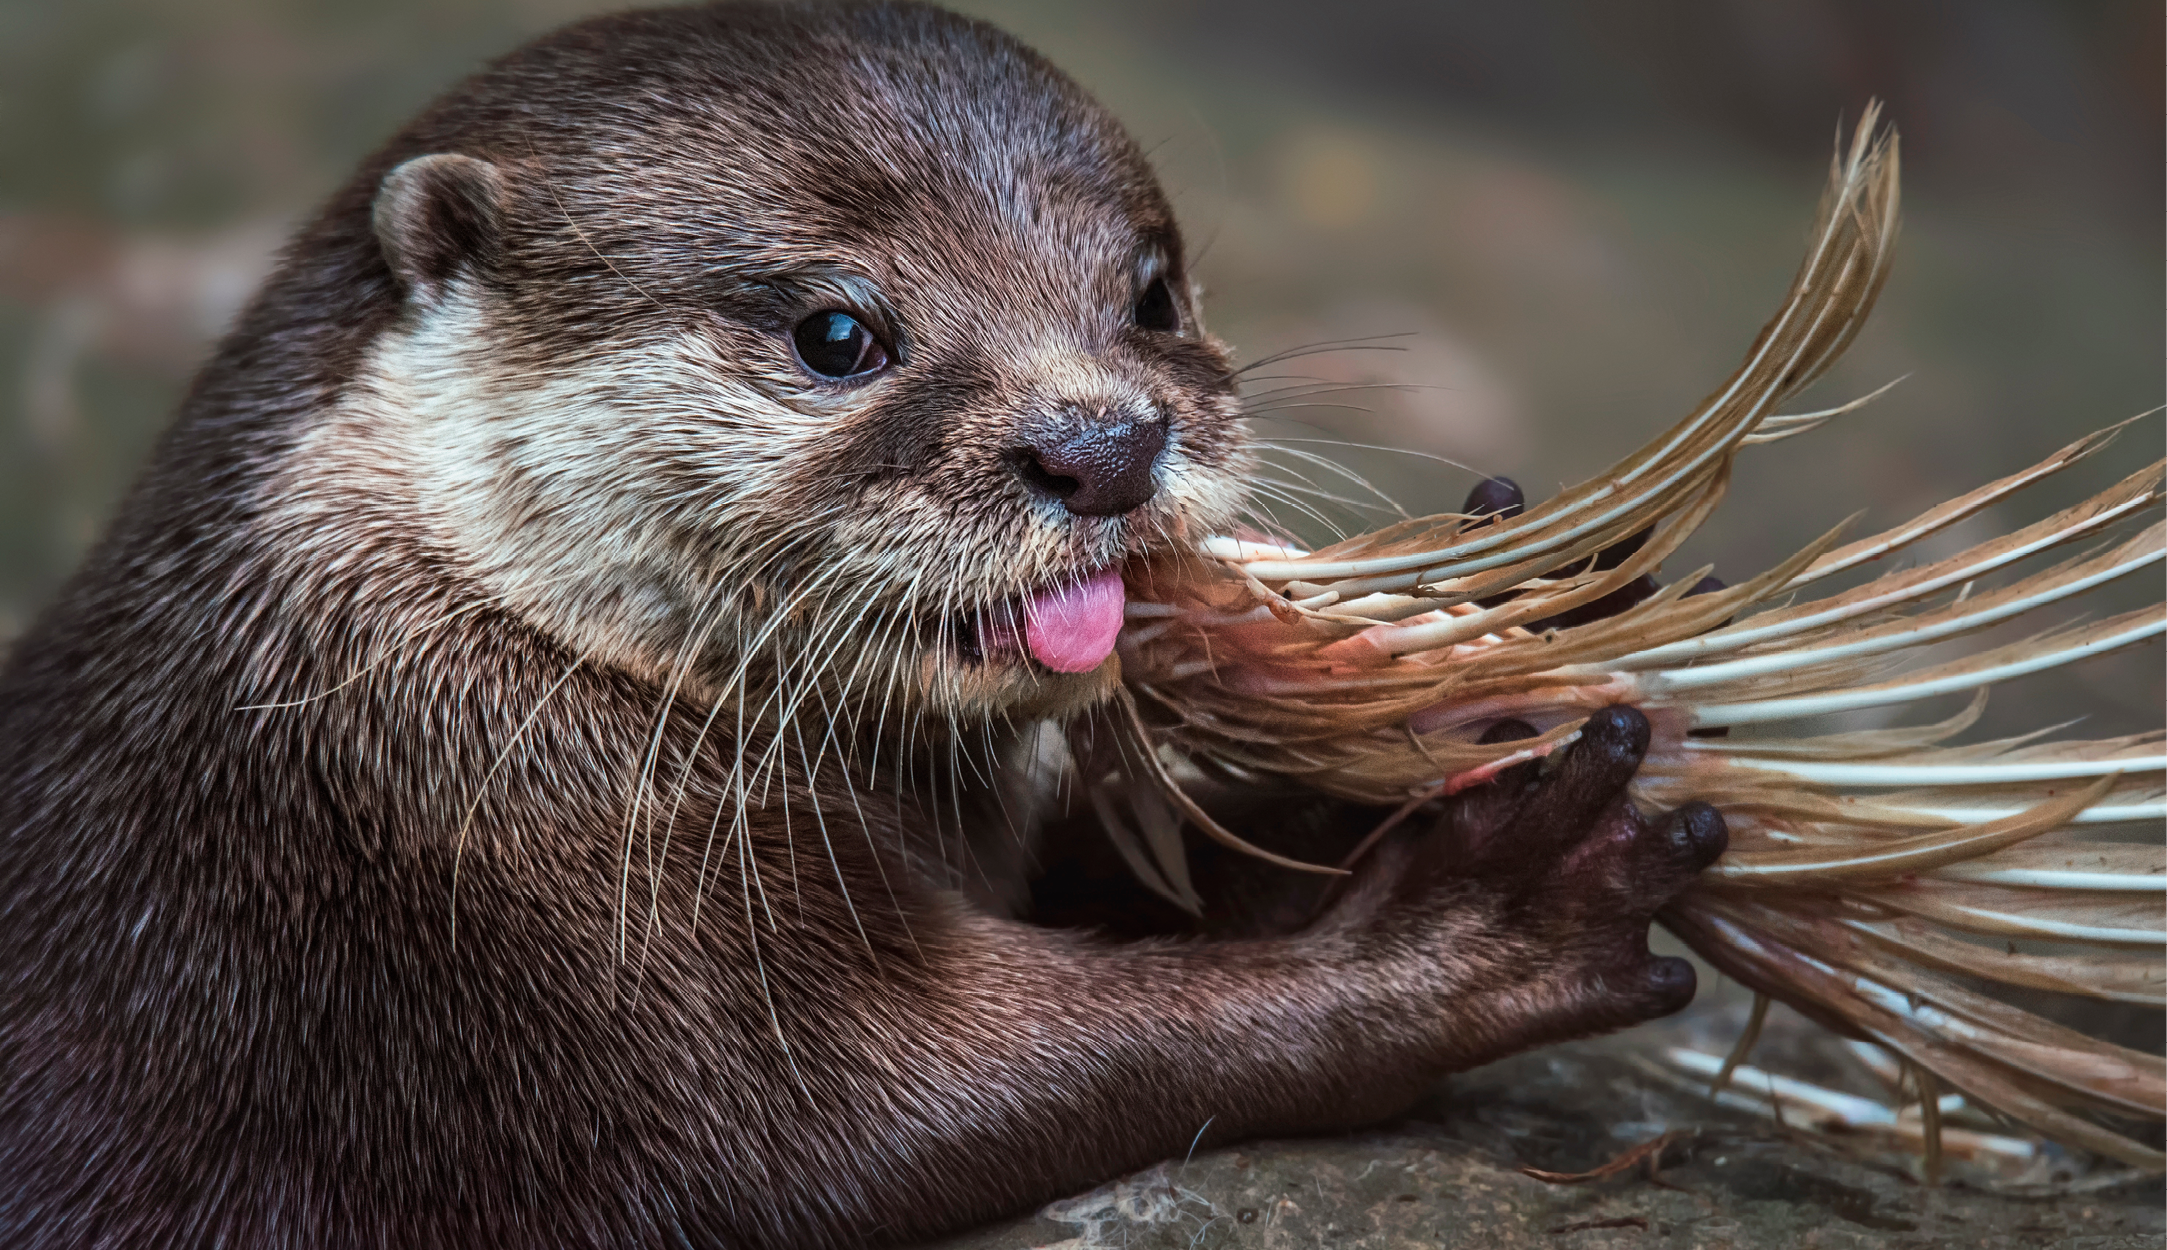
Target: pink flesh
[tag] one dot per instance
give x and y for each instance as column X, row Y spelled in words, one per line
column 1071, row 629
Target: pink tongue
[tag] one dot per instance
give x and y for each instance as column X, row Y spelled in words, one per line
column 1072, row 629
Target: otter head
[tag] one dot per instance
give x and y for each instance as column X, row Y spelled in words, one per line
column 837, row 354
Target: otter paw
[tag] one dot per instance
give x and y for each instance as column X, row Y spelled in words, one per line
column 1572, row 875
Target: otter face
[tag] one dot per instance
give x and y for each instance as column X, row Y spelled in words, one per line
column 841, row 355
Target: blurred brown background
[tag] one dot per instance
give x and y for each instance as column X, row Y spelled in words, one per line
column 1576, row 213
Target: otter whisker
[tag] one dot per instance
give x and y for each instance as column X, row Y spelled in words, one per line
column 910, row 593
column 695, row 639
column 845, row 626
column 1279, row 411
column 683, row 781
column 1299, row 383
column 865, row 827
column 1304, row 488
column 474, row 805
column 877, row 634
column 746, row 867
column 549, row 185
column 699, row 880
column 807, row 656
column 874, row 631
column 820, row 821
column 778, row 695
column 390, row 653
column 1378, row 447
column 957, row 753
column 741, row 810
column 1259, row 402
column 1271, row 491
column 1259, row 514
column 736, row 798
column 1362, row 343
column 1334, row 466
column 779, row 776
column 748, row 653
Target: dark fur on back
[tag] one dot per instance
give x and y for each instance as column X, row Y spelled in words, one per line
column 380, row 860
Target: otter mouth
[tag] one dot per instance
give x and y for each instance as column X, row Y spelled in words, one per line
column 1066, row 628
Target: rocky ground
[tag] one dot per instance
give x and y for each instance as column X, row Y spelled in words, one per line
column 1450, row 1175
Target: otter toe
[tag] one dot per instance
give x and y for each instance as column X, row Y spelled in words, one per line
column 1568, row 803
column 1697, row 836
column 1667, row 985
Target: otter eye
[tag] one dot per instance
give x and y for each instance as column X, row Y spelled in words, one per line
column 835, row 344
column 1155, row 308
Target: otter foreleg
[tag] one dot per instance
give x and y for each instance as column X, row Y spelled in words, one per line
column 1033, row 1062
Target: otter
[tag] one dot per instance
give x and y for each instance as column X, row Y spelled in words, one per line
column 521, row 768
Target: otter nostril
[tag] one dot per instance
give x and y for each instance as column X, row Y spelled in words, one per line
column 1105, row 470
column 1031, row 470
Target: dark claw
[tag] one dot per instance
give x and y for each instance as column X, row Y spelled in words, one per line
column 1495, row 496
column 1707, row 586
column 1618, row 733
column 1670, row 983
column 1697, row 835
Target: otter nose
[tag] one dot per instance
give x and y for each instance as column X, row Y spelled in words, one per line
column 1103, row 470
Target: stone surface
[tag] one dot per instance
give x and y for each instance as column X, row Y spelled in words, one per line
column 1449, row 1175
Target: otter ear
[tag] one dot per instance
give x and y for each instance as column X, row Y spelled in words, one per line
column 436, row 217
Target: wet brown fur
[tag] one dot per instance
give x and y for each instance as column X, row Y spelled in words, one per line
column 352, row 895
